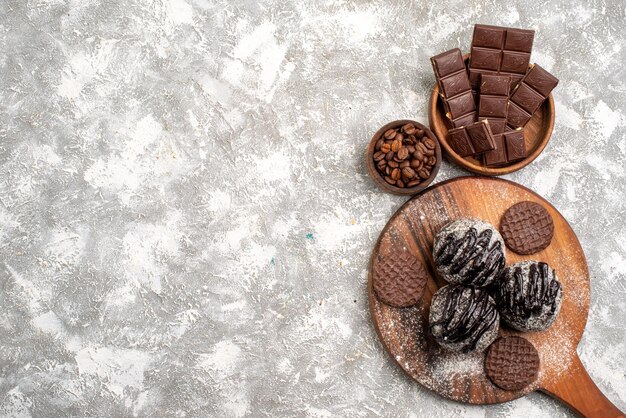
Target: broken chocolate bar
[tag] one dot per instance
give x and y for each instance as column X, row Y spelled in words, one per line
column 472, row 139
column 510, row 148
column 529, row 94
column 460, row 142
column 454, row 87
column 501, row 50
column 494, row 100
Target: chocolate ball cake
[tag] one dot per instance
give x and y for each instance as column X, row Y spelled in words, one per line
column 529, row 296
column 469, row 252
column 463, row 318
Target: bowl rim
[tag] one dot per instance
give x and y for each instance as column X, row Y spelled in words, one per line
column 379, row 180
column 480, row 169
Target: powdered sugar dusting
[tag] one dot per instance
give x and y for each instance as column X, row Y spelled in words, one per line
column 443, row 371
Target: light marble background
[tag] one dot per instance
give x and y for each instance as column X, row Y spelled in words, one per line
column 186, row 218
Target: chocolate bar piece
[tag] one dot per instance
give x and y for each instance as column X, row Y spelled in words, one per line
column 529, row 94
column 460, row 142
column 515, row 145
column 454, row 87
column 510, row 147
column 494, row 100
column 497, row 49
column 472, row 139
column 497, row 156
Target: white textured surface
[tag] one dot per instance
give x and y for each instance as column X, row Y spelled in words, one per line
column 186, row 219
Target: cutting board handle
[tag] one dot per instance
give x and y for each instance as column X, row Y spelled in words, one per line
column 577, row 390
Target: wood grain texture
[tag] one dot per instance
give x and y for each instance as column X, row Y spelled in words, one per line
column 577, row 390
column 461, row 377
column 537, row 133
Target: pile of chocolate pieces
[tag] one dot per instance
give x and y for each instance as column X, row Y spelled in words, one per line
column 488, row 103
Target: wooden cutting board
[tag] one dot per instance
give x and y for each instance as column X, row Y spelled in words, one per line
column 461, row 377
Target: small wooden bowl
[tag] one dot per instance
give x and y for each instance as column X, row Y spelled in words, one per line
column 379, row 180
column 537, row 133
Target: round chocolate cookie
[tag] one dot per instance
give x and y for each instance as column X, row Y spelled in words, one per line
column 529, row 296
column 470, row 252
column 399, row 279
column 463, row 318
column 527, row 227
column 512, row 363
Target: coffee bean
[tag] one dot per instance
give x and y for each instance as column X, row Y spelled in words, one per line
column 408, row 129
column 404, row 157
column 429, row 143
column 379, row 156
column 408, row 172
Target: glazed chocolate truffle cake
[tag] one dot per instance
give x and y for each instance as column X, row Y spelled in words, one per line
column 463, row 318
column 469, row 252
column 529, row 296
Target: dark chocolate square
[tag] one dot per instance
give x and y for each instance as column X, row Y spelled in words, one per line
column 475, row 76
column 455, row 84
column 485, row 59
column 462, row 104
column 465, row 120
column 488, row 36
column 519, row 40
column 541, row 80
column 515, row 145
column 515, row 79
column 493, row 106
column 527, row 98
column 481, row 136
column 448, row 62
column 496, row 156
column 497, row 125
column 517, row 116
column 515, row 62
column 460, row 142
column 495, row 84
